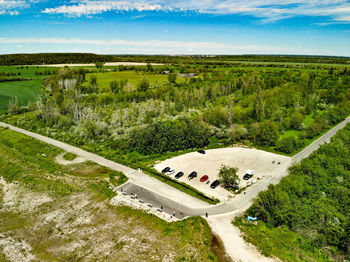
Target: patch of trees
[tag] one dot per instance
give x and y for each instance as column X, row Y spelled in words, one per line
column 173, row 136
column 314, row 200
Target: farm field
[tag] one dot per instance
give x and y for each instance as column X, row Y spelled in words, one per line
column 25, row 91
column 52, row 211
column 132, row 77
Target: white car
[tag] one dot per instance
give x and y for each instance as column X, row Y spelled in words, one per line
column 170, row 172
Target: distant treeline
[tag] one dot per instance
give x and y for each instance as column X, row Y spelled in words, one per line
column 60, row 58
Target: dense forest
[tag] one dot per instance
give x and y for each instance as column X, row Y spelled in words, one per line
column 314, row 200
column 60, row 58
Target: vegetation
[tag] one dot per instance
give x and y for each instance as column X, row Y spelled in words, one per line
column 228, row 177
column 62, row 58
column 77, row 214
column 69, row 156
column 310, row 207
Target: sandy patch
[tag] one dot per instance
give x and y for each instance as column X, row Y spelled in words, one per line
column 106, row 64
column 20, row 199
column 60, row 160
column 126, row 200
column 210, row 163
column 16, row 250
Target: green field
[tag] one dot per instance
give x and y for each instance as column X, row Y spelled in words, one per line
column 27, row 71
column 104, row 79
column 25, row 91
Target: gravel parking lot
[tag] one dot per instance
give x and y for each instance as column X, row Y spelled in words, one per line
column 210, row 163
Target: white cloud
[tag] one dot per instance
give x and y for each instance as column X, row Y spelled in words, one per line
column 98, row 7
column 149, row 46
column 9, row 7
column 269, row 10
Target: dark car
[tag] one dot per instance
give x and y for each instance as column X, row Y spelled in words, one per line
column 204, row 178
column 178, row 175
column 215, row 184
column 247, row 176
column 192, row 175
column 201, row 152
column 165, row 169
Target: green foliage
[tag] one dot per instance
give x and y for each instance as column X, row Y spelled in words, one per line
column 172, row 78
column 314, row 200
column 69, row 156
column 267, row 133
column 288, row 144
column 143, row 85
column 228, row 177
column 170, row 136
column 280, row 242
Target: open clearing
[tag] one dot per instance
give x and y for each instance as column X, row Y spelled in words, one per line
column 210, row 163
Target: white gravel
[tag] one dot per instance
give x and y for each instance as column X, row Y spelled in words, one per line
column 210, row 163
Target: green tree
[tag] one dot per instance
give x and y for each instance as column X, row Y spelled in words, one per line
column 99, row 65
column 287, row 144
column 267, row 133
column 228, row 177
column 143, row 85
column 172, row 78
column 259, row 106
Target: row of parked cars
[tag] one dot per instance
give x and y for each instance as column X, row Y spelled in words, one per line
column 169, row 171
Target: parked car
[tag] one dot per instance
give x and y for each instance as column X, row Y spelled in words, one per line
column 178, row 175
column 204, row 178
column 192, row 175
column 201, row 152
column 215, row 184
column 170, row 172
column 166, row 169
column 247, row 176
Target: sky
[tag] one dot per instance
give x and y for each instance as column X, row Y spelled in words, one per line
column 300, row 27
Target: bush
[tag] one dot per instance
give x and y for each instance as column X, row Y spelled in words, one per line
column 287, row 144
column 166, row 136
column 267, row 133
column 228, row 177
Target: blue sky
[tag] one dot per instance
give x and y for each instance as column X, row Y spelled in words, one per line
column 311, row 27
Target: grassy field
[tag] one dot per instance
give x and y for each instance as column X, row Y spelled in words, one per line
column 62, row 213
column 25, row 91
column 27, row 71
column 104, row 79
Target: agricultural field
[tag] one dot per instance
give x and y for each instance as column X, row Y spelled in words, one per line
column 50, row 211
column 25, row 91
column 26, row 85
column 132, row 77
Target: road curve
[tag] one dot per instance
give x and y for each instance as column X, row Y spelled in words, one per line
column 168, row 195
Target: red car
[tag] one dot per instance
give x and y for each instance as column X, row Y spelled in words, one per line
column 204, row 178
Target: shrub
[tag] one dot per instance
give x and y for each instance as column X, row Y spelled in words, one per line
column 287, row 144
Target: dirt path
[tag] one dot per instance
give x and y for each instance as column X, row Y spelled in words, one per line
column 235, row 246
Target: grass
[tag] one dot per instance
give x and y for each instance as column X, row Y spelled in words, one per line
column 279, row 242
column 25, row 91
column 104, row 79
column 24, row 159
column 131, row 234
column 27, row 72
column 69, row 156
